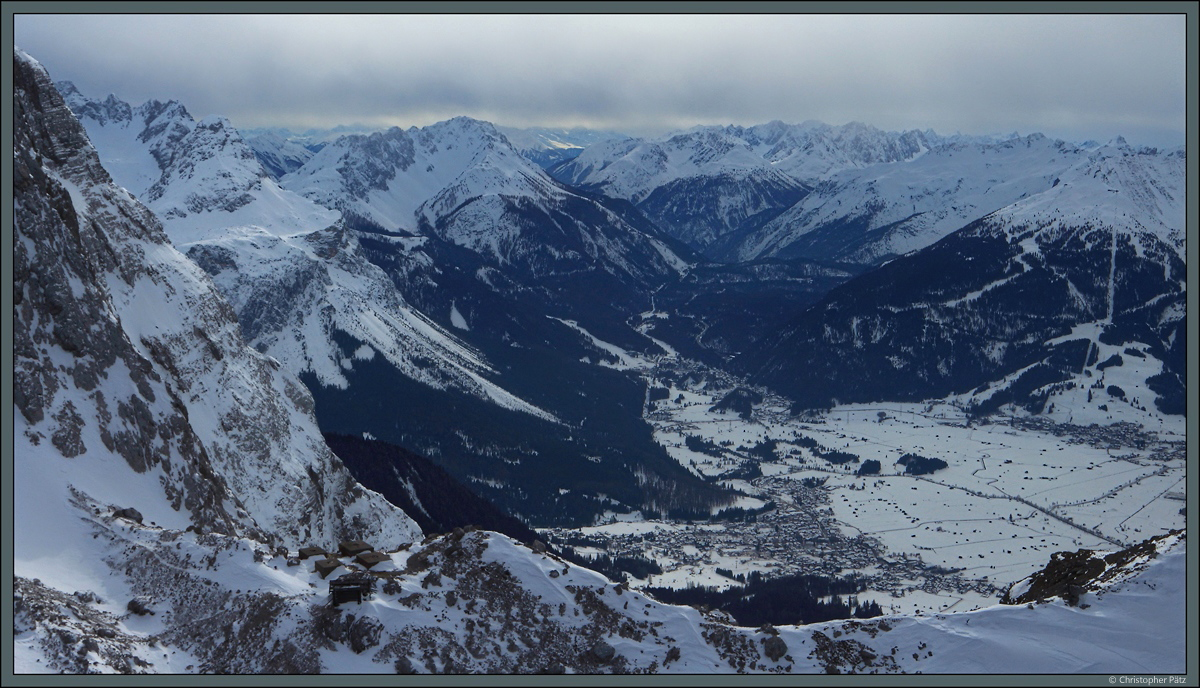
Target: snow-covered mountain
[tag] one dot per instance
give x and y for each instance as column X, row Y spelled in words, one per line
column 134, row 386
column 743, row 193
column 1143, row 189
column 138, row 141
column 698, row 186
column 499, row 238
column 461, row 181
column 296, row 279
column 298, row 295
column 198, row 177
column 1038, row 304
column 278, row 155
column 867, row 213
column 806, row 153
column 387, row 177
column 715, row 186
column 812, row 150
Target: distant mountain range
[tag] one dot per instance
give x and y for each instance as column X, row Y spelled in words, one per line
column 1024, row 306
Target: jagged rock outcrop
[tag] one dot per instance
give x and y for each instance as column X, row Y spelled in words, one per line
column 1070, row 575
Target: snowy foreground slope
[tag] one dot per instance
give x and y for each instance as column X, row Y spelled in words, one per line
column 477, row 602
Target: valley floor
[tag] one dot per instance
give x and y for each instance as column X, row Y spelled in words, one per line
column 1014, row 490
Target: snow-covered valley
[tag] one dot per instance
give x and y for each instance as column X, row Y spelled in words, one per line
column 1014, row 490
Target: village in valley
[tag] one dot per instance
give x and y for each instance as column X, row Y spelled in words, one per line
column 935, row 509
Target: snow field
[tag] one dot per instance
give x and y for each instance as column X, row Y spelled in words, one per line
column 948, row 527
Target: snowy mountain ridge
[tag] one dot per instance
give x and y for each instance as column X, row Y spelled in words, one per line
column 294, row 277
column 137, row 141
column 199, row 178
column 462, row 181
column 851, row 193
column 1140, row 190
column 1101, row 249
column 633, row 168
column 698, row 186
column 132, row 368
column 386, row 177
column 866, row 214
column 754, row 173
column 814, row 150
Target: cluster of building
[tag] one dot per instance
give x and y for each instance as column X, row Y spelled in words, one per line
column 800, row 536
column 356, row 584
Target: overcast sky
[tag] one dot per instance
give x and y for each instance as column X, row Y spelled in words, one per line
column 1073, row 77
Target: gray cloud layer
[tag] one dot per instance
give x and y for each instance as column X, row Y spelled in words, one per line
column 1075, row 77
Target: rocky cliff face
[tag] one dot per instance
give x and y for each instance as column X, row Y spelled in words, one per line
column 125, row 350
column 67, row 337
column 139, row 142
